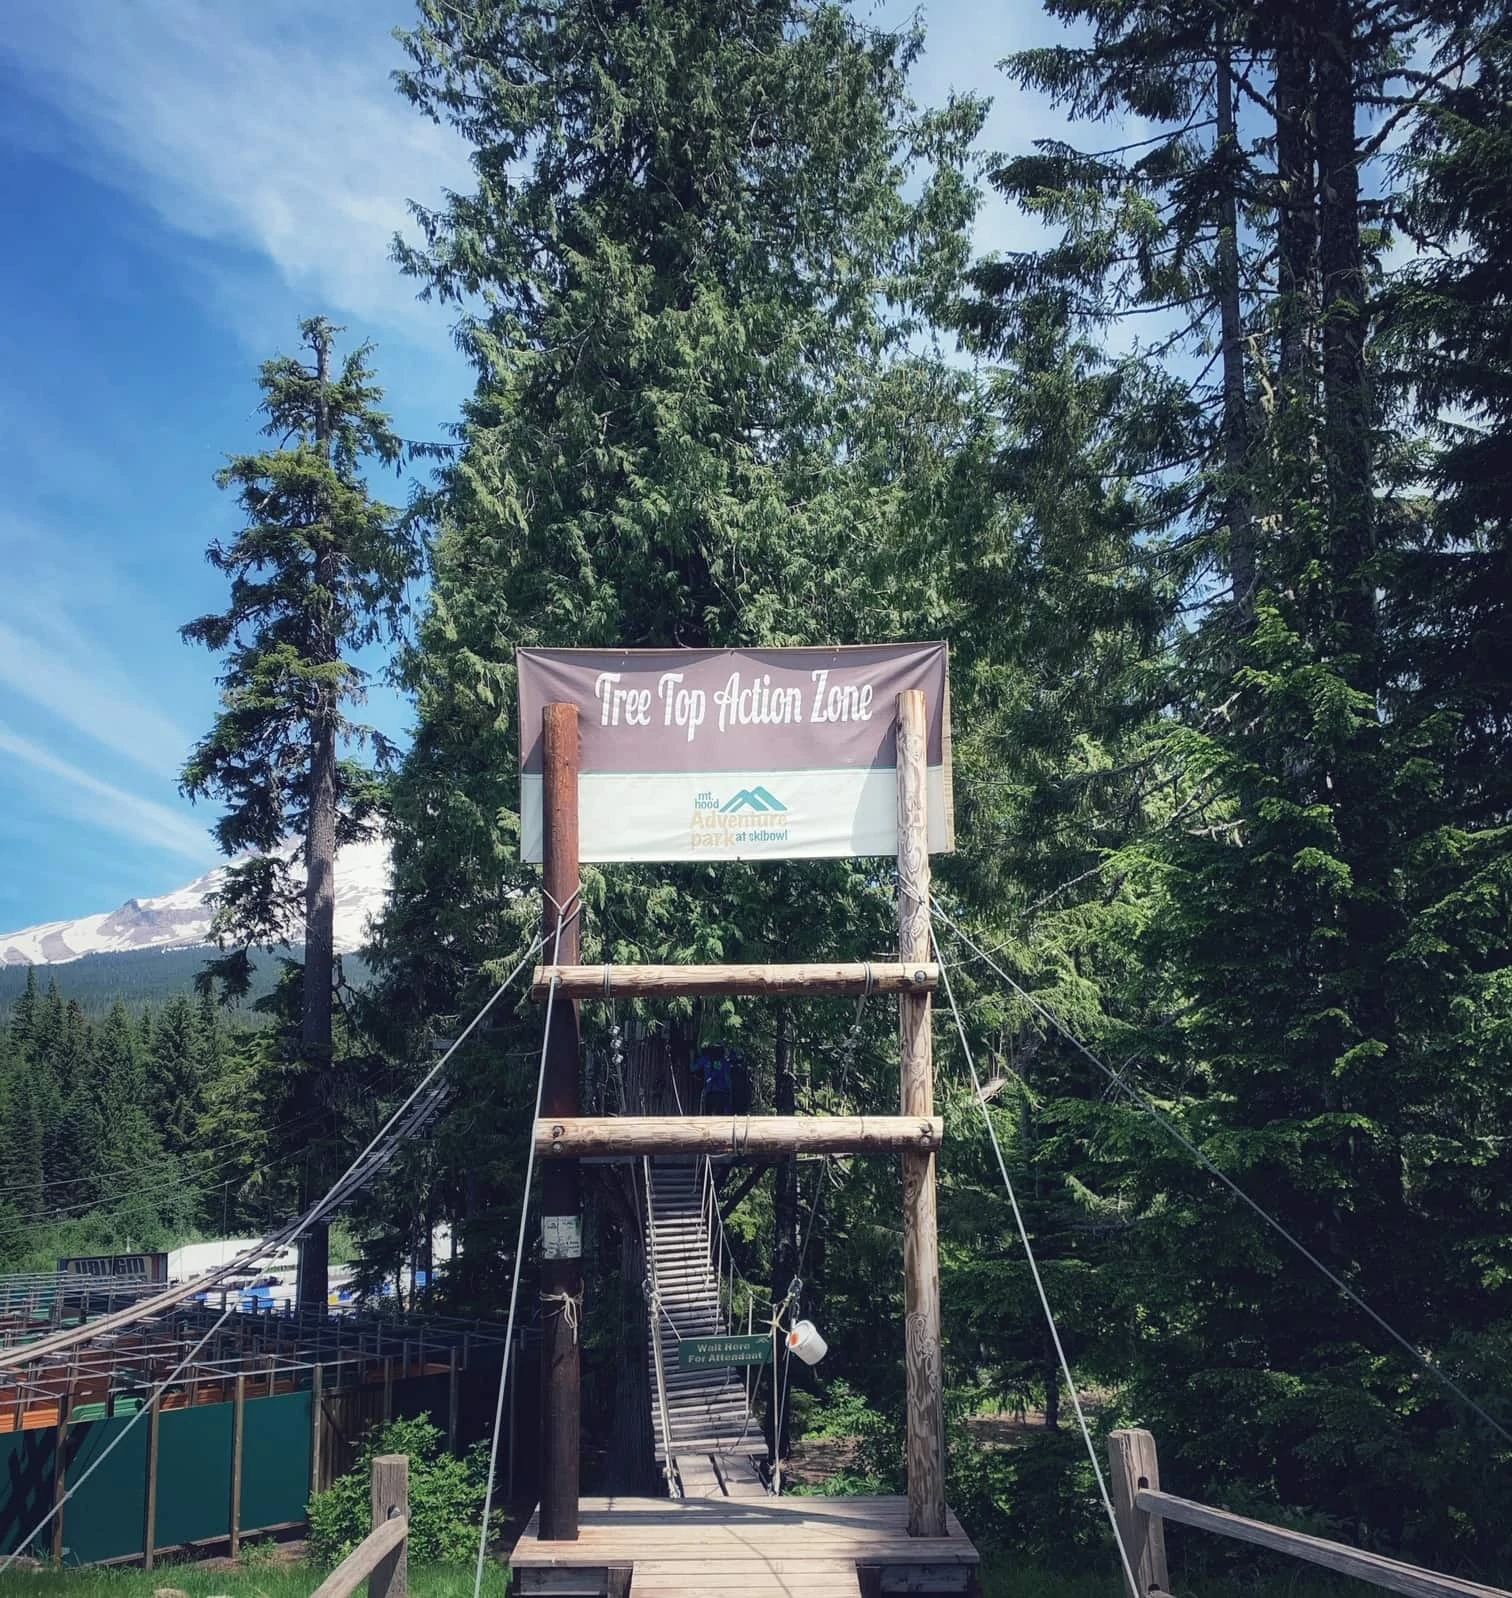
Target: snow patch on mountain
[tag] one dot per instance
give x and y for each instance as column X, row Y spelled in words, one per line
column 182, row 919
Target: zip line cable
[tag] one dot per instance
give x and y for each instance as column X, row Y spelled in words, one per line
column 563, row 913
column 1169, row 1126
column 115, row 1442
column 1039, row 1285
column 355, row 1176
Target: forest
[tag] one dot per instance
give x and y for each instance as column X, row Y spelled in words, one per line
column 1208, row 489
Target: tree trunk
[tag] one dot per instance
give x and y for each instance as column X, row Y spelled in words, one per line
column 1296, row 219
column 1346, row 383
column 320, row 891
column 1050, row 1364
column 784, row 1219
column 1243, row 560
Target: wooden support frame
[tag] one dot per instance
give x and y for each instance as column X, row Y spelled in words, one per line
column 561, row 1206
column 631, row 1136
column 562, row 1137
column 924, row 1443
column 670, row 981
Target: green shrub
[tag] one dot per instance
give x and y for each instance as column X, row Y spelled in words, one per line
column 843, row 1412
column 445, row 1497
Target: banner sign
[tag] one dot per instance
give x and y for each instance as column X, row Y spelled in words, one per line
column 704, row 1353
column 736, row 754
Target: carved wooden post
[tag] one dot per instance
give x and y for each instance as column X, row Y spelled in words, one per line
column 1135, row 1468
column 561, row 1211
column 921, row 1253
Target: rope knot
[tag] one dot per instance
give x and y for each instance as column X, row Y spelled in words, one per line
column 570, row 1307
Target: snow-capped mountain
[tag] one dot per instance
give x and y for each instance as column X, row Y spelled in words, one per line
column 181, row 919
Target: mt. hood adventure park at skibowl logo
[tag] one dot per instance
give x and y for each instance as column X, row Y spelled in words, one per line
column 752, row 816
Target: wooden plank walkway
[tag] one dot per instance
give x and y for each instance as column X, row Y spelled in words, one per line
column 747, row 1578
column 744, row 1548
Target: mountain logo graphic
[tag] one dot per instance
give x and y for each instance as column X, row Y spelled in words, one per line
column 758, row 799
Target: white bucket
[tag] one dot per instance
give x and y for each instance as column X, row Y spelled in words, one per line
column 804, row 1341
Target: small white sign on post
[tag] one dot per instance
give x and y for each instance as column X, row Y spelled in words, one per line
column 561, row 1237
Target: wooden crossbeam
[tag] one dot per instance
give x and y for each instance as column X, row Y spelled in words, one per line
column 669, row 981
column 629, row 1136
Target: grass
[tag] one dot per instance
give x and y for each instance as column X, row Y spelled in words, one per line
column 1003, row 1576
column 252, row 1578
column 1006, row 1576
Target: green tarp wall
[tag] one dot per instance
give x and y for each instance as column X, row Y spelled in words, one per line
column 276, row 1460
column 194, row 1474
column 105, row 1518
column 26, row 1483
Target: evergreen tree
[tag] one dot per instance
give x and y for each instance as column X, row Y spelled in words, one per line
column 175, row 1074
column 1276, row 979
column 687, row 293
column 705, row 239
column 319, row 571
column 23, row 1016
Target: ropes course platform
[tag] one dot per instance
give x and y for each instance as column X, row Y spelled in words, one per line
column 743, row 1548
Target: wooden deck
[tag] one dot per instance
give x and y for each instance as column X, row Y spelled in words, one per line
column 743, row 1548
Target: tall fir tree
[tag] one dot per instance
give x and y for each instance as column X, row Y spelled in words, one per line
column 319, row 571
column 700, row 242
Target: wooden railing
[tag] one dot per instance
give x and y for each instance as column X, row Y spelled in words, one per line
column 383, row 1555
column 1142, row 1510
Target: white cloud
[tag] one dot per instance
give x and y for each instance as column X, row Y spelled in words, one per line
column 77, row 683
column 65, row 598
column 90, row 798
column 271, row 125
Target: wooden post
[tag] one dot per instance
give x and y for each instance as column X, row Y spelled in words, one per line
column 453, row 1401
column 390, row 1500
column 149, row 1519
column 925, row 1444
column 60, row 1471
column 1135, row 1468
column 561, row 1210
column 317, row 1426
column 388, row 1389
column 238, row 1433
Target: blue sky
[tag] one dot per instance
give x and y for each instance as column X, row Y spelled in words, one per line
column 183, row 180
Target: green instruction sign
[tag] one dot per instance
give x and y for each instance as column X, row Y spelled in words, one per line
column 699, row 1353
